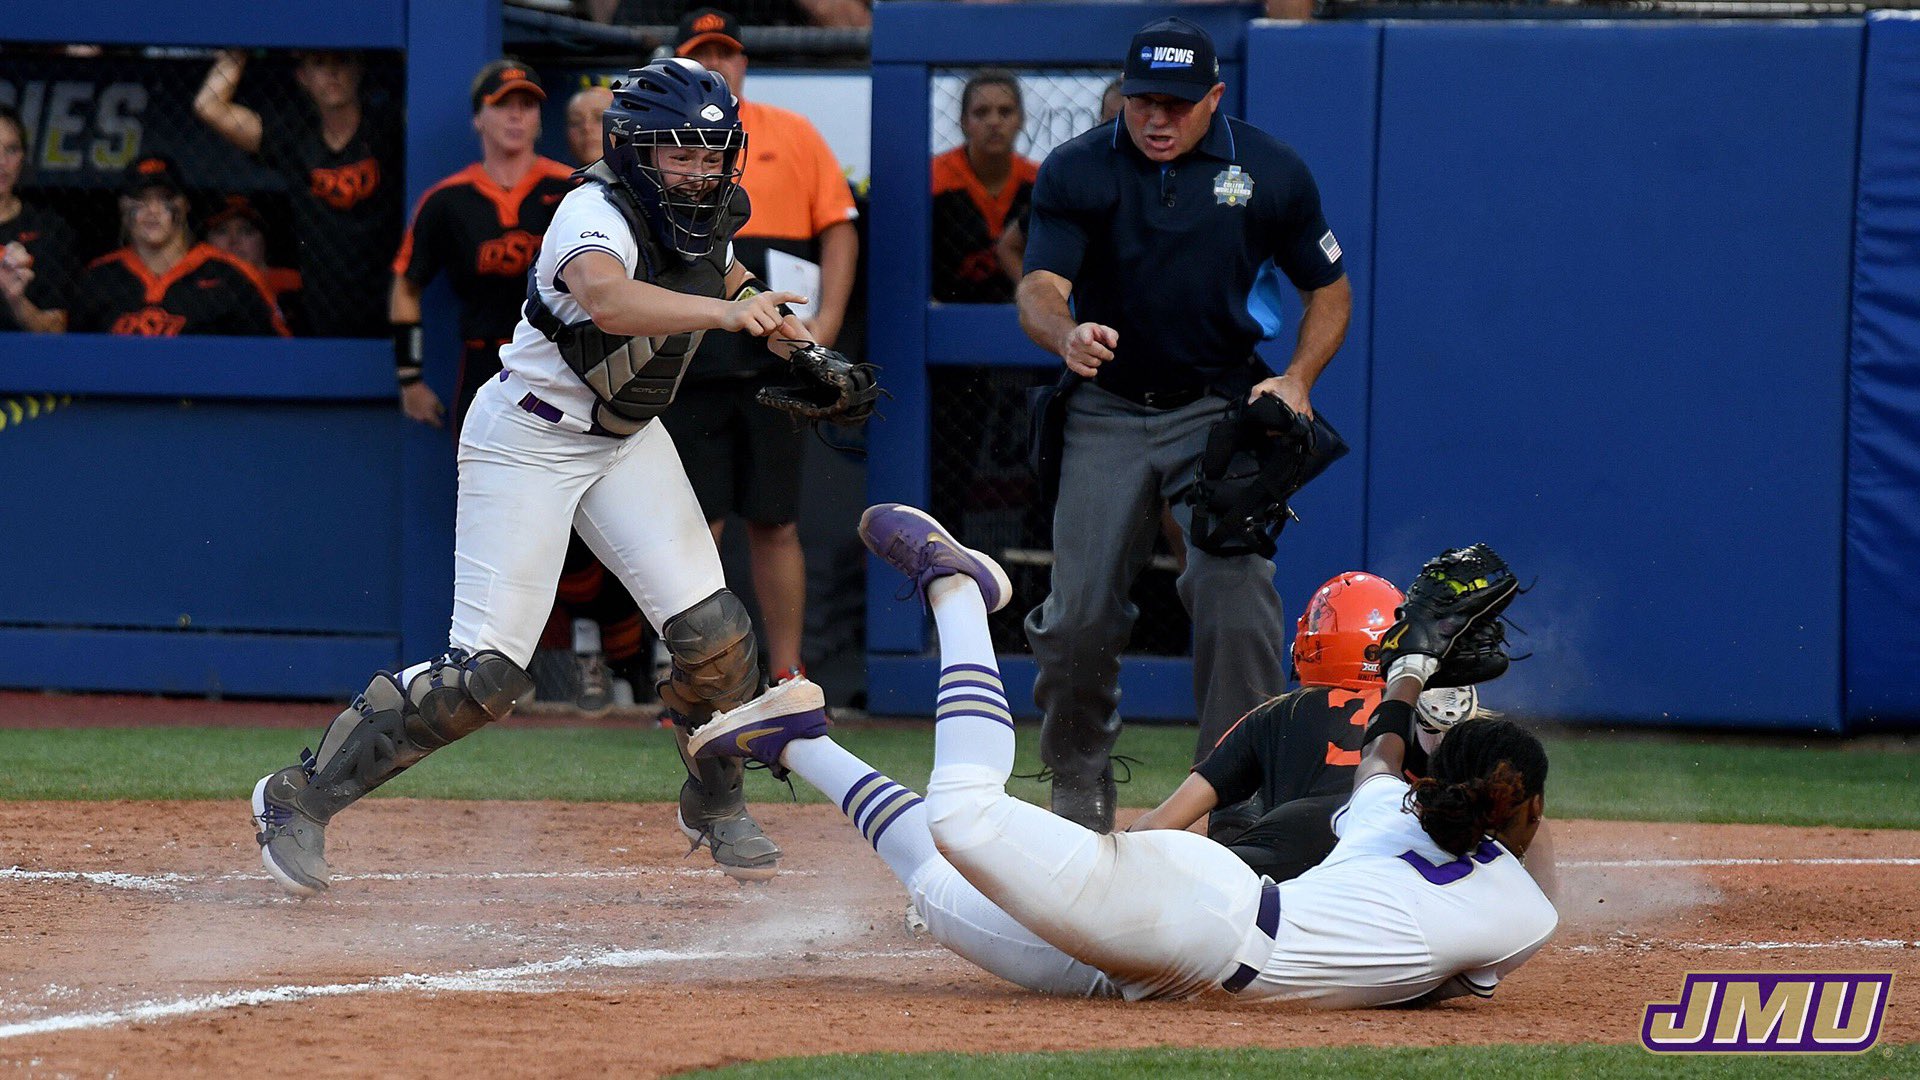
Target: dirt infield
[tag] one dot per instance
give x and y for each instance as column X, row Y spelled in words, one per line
column 498, row 939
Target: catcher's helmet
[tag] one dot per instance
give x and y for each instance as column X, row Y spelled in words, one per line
column 677, row 103
column 1337, row 641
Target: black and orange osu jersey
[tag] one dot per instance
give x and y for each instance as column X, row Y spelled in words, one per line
column 50, row 243
column 968, row 222
column 207, row 292
column 1297, row 745
column 484, row 237
column 346, row 217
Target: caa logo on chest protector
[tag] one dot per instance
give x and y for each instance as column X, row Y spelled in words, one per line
column 1166, row 56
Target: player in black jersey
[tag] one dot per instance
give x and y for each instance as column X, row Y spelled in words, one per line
column 162, row 284
column 36, row 247
column 341, row 165
column 482, row 227
column 1296, row 753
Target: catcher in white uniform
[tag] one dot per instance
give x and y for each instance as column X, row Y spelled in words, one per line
column 1423, row 898
column 636, row 266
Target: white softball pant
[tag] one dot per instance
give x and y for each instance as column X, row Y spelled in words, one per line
column 1164, row 914
column 525, row 482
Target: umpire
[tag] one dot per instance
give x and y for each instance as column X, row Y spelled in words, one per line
column 1152, row 269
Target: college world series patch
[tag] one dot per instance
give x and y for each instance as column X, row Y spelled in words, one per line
column 1233, row 187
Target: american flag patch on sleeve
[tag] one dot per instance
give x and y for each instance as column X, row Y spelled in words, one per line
column 1330, row 246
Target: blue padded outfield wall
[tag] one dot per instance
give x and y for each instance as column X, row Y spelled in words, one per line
column 1604, row 279
column 1883, row 457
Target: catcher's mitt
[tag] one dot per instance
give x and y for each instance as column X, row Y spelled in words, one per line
column 1454, row 607
column 825, row 386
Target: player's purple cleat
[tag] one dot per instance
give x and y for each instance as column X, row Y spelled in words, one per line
column 921, row 548
column 760, row 729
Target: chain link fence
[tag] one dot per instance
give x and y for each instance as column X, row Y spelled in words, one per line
column 319, row 220
column 1002, row 123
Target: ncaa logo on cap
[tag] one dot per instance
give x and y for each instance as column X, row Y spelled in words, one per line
column 1166, row 56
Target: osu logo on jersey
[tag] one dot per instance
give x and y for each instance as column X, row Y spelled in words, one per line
column 346, row 186
column 150, row 322
column 509, row 255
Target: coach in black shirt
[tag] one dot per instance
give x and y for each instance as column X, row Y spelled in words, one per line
column 1157, row 247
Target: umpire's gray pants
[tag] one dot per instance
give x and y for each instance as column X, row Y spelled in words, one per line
column 1121, row 460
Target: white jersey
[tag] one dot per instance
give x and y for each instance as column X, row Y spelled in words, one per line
column 585, row 221
column 1389, row 916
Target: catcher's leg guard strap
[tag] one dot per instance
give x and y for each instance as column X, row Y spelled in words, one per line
column 458, row 694
column 716, row 661
column 387, row 730
column 364, row 747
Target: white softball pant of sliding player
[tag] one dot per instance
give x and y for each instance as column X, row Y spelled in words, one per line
column 526, row 481
column 1165, row 913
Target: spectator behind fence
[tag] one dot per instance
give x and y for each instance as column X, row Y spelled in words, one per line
column 584, row 111
column 341, row 164
column 482, row 225
column 36, row 247
column 981, row 188
column 162, row 284
column 1012, row 252
column 239, row 229
column 742, row 457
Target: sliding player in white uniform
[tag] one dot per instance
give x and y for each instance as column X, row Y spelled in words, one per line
column 635, row 267
column 1423, row 898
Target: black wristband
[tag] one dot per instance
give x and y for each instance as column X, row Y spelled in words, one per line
column 1390, row 718
column 407, row 348
column 753, row 286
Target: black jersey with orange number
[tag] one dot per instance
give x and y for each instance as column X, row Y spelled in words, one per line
column 50, row 243
column 1297, row 745
column 967, row 222
column 206, row 292
column 346, row 216
column 484, row 237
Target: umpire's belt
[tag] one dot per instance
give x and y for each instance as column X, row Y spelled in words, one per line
column 1161, row 399
column 1268, row 922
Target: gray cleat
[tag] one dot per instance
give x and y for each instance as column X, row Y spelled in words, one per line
column 293, row 846
column 739, row 848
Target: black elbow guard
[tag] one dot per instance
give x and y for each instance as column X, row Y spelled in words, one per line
column 1390, row 717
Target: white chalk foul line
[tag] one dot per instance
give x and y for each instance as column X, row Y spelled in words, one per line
column 500, row 979
column 1746, row 946
column 1639, row 864
column 481, row 979
column 174, row 883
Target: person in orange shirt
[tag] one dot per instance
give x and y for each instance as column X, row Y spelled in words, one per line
column 743, row 458
column 163, row 284
column 981, row 191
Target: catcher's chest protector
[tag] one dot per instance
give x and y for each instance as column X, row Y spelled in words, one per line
column 635, row 377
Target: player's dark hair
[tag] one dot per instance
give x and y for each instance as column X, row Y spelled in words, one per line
column 991, row 77
column 1482, row 772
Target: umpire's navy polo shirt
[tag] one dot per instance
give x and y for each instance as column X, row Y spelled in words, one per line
column 1180, row 257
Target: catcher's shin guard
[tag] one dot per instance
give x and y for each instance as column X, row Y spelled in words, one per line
column 386, row 730
column 713, row 811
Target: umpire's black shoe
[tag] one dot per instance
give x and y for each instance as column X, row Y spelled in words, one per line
column 1086, row 801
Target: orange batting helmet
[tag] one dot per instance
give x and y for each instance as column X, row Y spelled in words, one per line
column 1337, row 642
